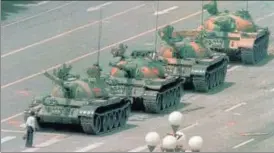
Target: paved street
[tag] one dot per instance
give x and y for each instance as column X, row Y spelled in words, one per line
column 238, row 117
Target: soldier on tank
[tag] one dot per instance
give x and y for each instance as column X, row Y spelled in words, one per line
column 31, row 127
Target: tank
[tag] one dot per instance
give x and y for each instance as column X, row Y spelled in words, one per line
column 84, row 102
column 203, row 69
column 235, row 34
column 145, row 80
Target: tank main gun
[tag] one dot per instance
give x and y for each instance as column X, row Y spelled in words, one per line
column 55, row 79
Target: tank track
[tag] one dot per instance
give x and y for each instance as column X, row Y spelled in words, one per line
column 101, row 123
column 212, row 79
column 258, row 53
column 159, row 101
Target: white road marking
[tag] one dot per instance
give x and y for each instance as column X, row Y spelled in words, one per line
column 11, row 117
column 139, row 149
column 39, row 14
column 234, row 107
column 7, row 138
column 70, row 31
column 238, row 114
column 89, row 147
column 190, row 126
column 264, row 17
column 38, row 4
column 44, row 144
column 23, row 125
column 166, row 10
column 233, row 68
column 272, row 90
column 243, row 143
column 98, row 7
column 38, row 133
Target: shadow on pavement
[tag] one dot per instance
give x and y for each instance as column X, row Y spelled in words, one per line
column 11, row 7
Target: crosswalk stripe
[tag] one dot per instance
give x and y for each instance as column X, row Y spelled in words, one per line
column 44, row 144
column 139, row 149
column 90, row 147
column 7, row 138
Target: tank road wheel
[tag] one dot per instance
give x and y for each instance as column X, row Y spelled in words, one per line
column 116, row 119
column 110, row 120
column 91, row 126
column 105, row 122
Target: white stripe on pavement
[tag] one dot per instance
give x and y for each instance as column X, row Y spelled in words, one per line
column 7, row 138
column 44, row 144
column 90, row 147
column 139, row 149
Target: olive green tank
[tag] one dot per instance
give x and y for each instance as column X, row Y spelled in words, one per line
column 202, row 68
column 144, row 78
column 84, row 102
column 236, row 34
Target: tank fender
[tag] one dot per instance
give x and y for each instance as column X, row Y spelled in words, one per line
column 87, row 111
column 199, row 70
column 246, row 43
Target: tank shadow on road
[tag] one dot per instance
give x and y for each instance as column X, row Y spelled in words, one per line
column 77, row 130
column 11, row 7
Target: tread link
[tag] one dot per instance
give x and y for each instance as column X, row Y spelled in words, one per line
column 160, row 101
column 212, row 79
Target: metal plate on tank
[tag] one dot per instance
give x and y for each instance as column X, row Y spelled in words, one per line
column 214, row 43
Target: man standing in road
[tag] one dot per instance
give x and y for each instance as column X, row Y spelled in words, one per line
column 30, row 125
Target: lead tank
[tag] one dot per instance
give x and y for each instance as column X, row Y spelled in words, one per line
column 144, row 79
column 189, row 58
column 83, row 102
column 235, row 34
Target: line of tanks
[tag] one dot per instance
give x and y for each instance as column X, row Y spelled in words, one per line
column 152, row 82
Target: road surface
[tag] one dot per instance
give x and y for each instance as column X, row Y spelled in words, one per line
column 236, row 118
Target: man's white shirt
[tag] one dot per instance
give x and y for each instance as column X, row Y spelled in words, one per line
column 31, row 122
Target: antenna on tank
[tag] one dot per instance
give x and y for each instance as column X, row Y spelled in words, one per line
column 246, row 5
column 156, row 30
column 99, row 35
column 202, row 17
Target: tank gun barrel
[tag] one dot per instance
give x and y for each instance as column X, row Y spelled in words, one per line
column 54, row 79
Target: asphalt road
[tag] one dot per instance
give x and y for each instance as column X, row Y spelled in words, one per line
column 224, row 119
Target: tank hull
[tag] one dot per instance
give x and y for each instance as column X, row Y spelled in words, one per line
column 94, row 117
column 154, row 97
column 249, row 48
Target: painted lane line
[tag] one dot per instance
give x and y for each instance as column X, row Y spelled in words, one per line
column 232, row 68
column 95, row 8
column 234, row 107
column 70, row 31
column 38, row 4
column 39, row 14
column 139, row 149
column 264, row 17
column 243, row 143
column 166, row 10
column 189, row 127
column 7, row 138
column 90, row 147
column 104, row 48
column 38, row 133
column 44, row 144
column 11, row 117
column 272, row 90
column 23, row 125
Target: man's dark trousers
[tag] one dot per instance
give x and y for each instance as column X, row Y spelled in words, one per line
column 29, row 139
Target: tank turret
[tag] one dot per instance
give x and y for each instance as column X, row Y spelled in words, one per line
column 186, row 51
column 146, row 80
column 236, row 34
column 84, row 102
